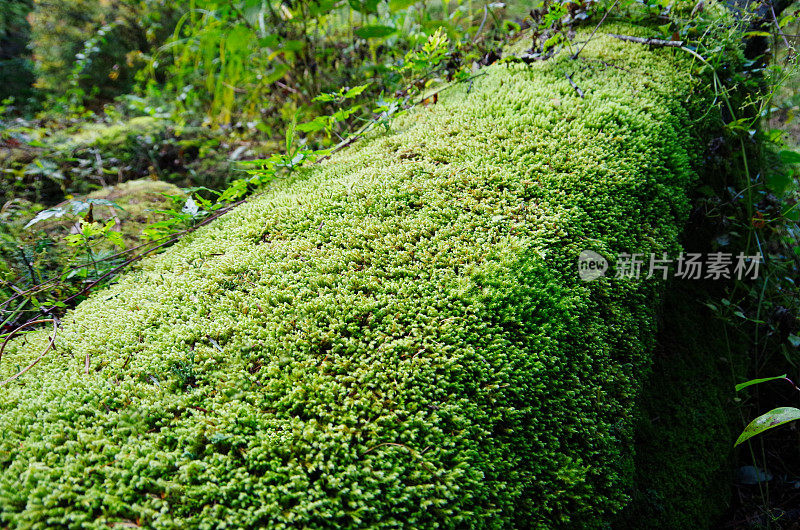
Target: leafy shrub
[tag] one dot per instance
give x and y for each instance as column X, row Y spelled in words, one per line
column 399, row 339
column 90, row 48
column 262, row 63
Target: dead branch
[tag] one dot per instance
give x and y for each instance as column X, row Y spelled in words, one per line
column 576, row 87
column 648, row 41
column 40, row 356
column 606, row 63
column 577, row 53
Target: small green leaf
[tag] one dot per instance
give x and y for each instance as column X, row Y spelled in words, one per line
column 758, row 34
column 326, row 97
column 757, row 381
column 317, row 124
column 364, row 6
column 355, row 91
column 778, row 182
column 789, row 157
column 343, row 114
column 768, row 421
column 115, row 238
column 321, row 7
column 374, row 32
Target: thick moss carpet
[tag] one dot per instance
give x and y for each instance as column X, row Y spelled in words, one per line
column 398, row 339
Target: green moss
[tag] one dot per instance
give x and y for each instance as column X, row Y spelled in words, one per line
column 400, row 339
column 683, row 433
column 112, row 136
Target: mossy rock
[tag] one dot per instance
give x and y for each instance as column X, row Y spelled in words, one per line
column 141, row 202
column 109, row 137
column 136, row 204
column 399, row 338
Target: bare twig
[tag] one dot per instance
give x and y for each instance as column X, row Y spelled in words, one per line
column 577, row 53
column 40, row 356
column 606, row 63
column 576, row 87
column 287, row 87
column 485, row 14
column 38, row 286
column 429, row 96
column 16, row 330
column 164, row 241
column 649, row 41
column 789, row 48
column 791, row 383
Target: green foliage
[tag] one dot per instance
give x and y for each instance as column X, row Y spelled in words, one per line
column 741, row 386
column 263, row 63
column 60, row 250
column 16, row 69
column 398, row 338
column 74, row 207
column 770, row 420
column 92, row 47
column 205, row 80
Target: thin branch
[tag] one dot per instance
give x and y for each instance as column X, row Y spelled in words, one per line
column 577, row 53
column 165, row 241
column 606, row 63
column 429, row 96
column 485, row 14
column 76, row 267
column 11, row 334
column 287, row 87
column 789, row 48
column 40, row 356
column 649, row 41
column 374, row 121
column 576, row 87
column 175, row 238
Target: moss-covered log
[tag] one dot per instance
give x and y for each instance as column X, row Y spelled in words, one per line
column 398, row 339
